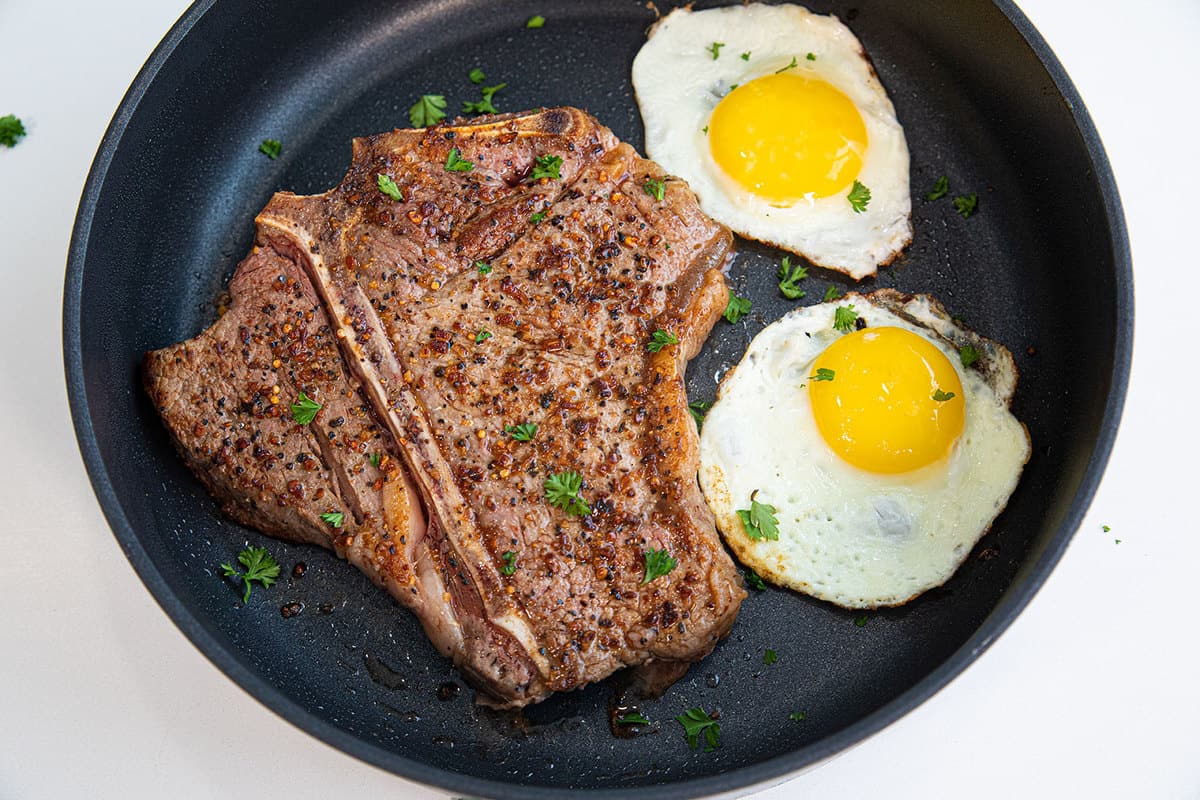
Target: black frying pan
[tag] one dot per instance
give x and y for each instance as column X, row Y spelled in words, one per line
column 167, row 212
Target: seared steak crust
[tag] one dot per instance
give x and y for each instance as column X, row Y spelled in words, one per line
column 439, row 356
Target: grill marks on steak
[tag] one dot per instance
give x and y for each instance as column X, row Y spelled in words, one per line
column 570, row 304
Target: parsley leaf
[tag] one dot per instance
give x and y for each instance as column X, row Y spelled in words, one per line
column 658, row 563
column 484, row 106
column 429, row 110
column 12, row 130
column 271, row 148
column 796, row 716
column 483, row 335
column 696, row 721
column 859, row 197
column 968, row 355
column 523, row 432
column 941, row 396
column 811, row 56
column 832, row 293
column 715, row 49
column 562, row 491
column 860, row 621
column 789, row 276
column 697, row 409
column 305, row 409
column 536, row 22
column 476, row 75
column 538, row 217
column 632, row 718
column 823, row 374
column 655, row 188
column 770, row 657
column 940, row 187
column 843, row 318
column 388, row 186
column 736, row 308
column 746, row 56
column 965, row 204
column 510, row 562
column 759, row 520
column 483, row 268
column 259, row 567
column 546, row 167
column 661, row 339
column 375, row 459
column 1105, row 528
column 792, row 65
column 755, row 581
column 456, row 163
column 334, row 518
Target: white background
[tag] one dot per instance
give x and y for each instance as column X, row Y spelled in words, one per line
column 1094, row 691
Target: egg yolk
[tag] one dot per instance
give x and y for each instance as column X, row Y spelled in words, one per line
column 878, row 409
column 782, row 137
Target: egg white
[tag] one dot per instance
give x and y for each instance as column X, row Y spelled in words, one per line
column 678, row 84
column 855, row 538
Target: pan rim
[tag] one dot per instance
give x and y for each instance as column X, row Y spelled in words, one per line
column 760, row 774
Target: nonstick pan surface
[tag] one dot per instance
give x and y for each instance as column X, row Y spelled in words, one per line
column 1043, row 267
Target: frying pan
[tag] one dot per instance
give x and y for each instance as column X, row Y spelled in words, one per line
column 1042, row 266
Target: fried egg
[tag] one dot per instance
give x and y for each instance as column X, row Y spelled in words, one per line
column 777, row 120
column 880, row 453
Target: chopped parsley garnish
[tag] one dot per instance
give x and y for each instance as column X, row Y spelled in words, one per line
column 271, row 148
column 736, row 308
column 860, row 621
column 538, row 217
column 705, row 129
column 483, row 335
column 536, row 22
column 941, row 396
column 792, row 65
column 305, row 409
column 696, row 721
column 770, row 657
column 476, row 75
column 755, row 581
column 388, row 186
column 811, row 56
column 940, row 187
column 523, row 432
column 429, row 110
column 968, row 355
column 789, row 276
column 697, row 408
column 546, row 167
column 746, row 56
column 823, row 374
column 12, row 130
column 661, row 339
column 965, row 204
column 510, row 562
column 483, row 268
column 715, row 49
column 632, row 718
column 655, row 188
column 796, row 716
column 1105, row 528
column 759, row 520
column 333, row 518
column 562, row 491
column 456, row 163
column 485, row 105
column 844, row 318
column 859, row 197
column 658, row 563
column 375, row 458
column 832, row 293
column 259, row 567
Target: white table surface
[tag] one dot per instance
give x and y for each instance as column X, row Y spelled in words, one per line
column 1093, row 692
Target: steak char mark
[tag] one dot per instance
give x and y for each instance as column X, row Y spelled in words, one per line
column 428, row 328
